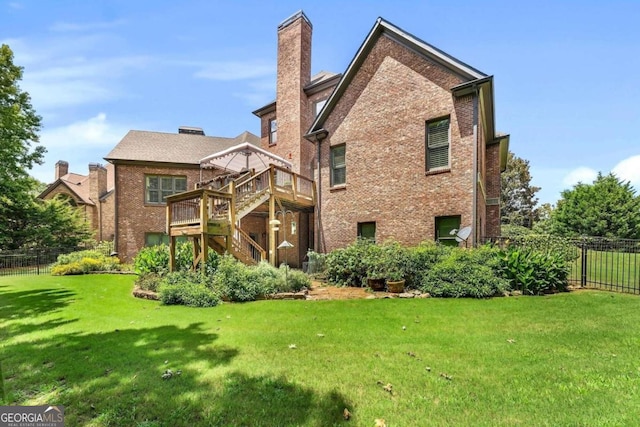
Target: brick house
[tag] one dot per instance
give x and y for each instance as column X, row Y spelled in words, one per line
column 148, row 167
column 92, row 194
column 401, row 145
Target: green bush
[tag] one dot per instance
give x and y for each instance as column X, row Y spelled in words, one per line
column 152, row 259
column 155, row 259
column 82, row 262
column 421, row 259
column 465, row 273
column 236, row 282
column 295, row 281
column 534, row 271
column 545, row 243
column 347, row 266
column 187, row 288
column 149, row 282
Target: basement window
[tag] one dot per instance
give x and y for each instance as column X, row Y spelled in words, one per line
column 367, row 230
column 444, row 226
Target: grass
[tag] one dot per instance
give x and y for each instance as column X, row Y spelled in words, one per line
column 84, row 342
column 609, row 269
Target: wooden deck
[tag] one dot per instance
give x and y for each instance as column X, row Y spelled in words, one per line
column 210, row 216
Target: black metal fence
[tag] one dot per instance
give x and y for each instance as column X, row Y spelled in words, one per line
column 35, row 261
column 596, row 262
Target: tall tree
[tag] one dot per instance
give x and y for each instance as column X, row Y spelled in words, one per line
column 19, row 126
column 607, row 208
column 518, row 197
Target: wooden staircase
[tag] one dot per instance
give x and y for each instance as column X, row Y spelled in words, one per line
column 213, row 217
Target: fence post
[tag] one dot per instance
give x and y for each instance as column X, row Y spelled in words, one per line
column 37, row 262
column 583, row 276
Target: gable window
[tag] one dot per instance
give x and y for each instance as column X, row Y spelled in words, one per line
column 318, row 106
column 159, row 187
column 437, row 144
column 367, row 230
column 273, row 131
column 444, row 226
column 338, row 165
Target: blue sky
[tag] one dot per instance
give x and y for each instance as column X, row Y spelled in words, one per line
column 566, row 73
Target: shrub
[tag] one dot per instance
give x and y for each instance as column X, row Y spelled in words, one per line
column 155, row 259
column 187, row 288
column 235, row 282
column 347, row 267
column 149, row 282
column 534, row 271
column 82, row 262
column 465, row 273
column 295, row 281
column 421, row 259
column 152, row 259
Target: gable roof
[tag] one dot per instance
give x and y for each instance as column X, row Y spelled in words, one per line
column 147, row 146
column 382, row 27
column 77, row 185
column 318, row 82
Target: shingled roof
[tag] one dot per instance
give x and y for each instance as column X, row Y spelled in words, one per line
column 146, row 146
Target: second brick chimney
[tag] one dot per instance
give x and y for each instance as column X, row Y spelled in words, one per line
column 61, row 169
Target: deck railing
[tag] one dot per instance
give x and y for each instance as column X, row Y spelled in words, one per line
column 188, row 208
column 245, row 244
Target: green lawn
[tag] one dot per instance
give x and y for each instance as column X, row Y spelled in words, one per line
column 84, row 342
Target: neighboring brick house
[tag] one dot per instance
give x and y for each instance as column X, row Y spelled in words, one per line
column 149, row 166
column 92, row 194
column 402, row 145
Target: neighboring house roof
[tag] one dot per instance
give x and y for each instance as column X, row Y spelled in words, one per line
column 76, row 185
column 474, row 80
column 147, row 146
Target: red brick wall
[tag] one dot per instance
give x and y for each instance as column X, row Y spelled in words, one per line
column 294, row 73
column 493, row 190
column 381, row 119
column 134, row 217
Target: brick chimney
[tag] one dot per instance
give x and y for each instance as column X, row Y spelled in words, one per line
column 61, row 169
column 292, row 105
column 97, row 181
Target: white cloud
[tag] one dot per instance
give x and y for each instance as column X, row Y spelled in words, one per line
column 235, row 70
column 582, row 174
column 629, row 170
column 93, row 132
column 85, row 26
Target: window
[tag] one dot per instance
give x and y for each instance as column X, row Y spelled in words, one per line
column 158, row 187
column 338, row 165
column 367, row 230
column 444, row 226
column 153, row 239
column 273, row 131
column 437, row 144
column 318, row 106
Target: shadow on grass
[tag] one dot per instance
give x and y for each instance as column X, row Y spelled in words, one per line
column 21, row 304
column 115, row 379
column 269, row 401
